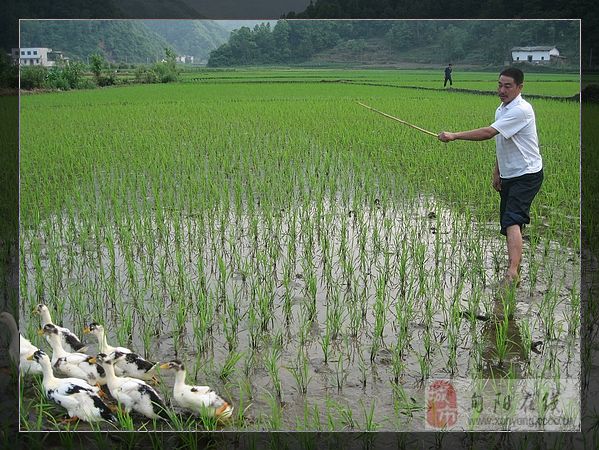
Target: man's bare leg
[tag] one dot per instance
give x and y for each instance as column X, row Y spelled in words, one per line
column 514, row 251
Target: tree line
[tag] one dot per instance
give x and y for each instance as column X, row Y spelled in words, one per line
column 480, row 42
column 73, row 75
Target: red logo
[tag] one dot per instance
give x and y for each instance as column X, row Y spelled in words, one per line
column 442, row 405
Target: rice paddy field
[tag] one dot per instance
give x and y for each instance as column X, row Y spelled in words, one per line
column 545, row 84
column 312, row 261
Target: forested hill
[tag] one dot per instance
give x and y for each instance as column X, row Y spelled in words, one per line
column 130, row 41
column 190, row 37
column 376, row 42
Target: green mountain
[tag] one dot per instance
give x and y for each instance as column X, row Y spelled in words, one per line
column 124, row 41
column 370, row 42
column 117, row 40
column 190, row 37
column 231, row 25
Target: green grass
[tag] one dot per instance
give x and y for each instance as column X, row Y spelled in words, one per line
column 548, row 84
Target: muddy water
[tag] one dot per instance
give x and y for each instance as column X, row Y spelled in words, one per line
column 288, row 281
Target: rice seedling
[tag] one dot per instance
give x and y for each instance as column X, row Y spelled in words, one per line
column 124, row 420
column 230, row 365
column 207, row 421
column 501, row 340
column 325, row 344
column 403, row 404
column 272, row 366
column 301, row 373
column 369, row 419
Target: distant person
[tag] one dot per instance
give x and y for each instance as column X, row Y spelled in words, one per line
column 518, row 172
column 448, row 71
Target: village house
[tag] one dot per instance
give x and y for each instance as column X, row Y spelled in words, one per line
column 185, row 59
column 37, row 56
column 541, row 54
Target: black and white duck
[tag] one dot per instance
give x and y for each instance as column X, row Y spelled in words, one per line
column 130, row 364
column 79, row 398
column 78, row 365
column 70, row 342
column 200, row 400
column 131, row 393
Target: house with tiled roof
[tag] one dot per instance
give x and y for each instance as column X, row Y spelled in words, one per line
column 539, row 54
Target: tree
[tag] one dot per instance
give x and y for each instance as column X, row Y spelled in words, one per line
column 166, row 71
column 33, row 77
column 73, row 73
column 280, row 35
column 222, row 56
column 452, row 42
column 243, row 46
column 171, row 58
column 97, row 63
column 402, row 35
column 265, row 44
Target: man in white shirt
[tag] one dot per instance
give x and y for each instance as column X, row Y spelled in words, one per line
column 518, row 172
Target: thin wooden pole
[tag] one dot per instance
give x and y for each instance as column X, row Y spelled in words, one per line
column 399, row 120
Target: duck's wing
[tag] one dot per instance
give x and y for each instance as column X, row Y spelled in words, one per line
column 197, row 391
column 204, row 396
column 131, row 391
column 70, row 386
column 130, row 386
column 72, row 340
column 68, row 401
column 141, row 364
column 70, row 369
column 76, row 358
column 146, row 389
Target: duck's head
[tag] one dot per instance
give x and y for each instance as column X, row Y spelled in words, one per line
column 116, row 355
column 48, row 330
column 110, row 358
column 94, row 328
column 37, row 356
column 174, row 364
column 101, row 358
column 39, row 309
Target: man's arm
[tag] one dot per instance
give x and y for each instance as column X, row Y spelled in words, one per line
column 480, row 134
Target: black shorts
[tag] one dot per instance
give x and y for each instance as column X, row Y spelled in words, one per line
column 517, row 195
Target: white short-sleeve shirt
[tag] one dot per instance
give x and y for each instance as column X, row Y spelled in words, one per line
column 517, row 144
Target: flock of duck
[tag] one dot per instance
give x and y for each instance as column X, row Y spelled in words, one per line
column 125, row 374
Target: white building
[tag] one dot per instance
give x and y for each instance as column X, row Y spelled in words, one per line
column 37, row 56
column 31, row 56
column 538, row 55
column 185, row 59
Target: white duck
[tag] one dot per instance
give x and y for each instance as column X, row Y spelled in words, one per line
column 131, row 365
column 70, row 341
column 80, row 399
column 78, row 365
column 197, row 399
column 20, row 349
column 131, row 393
column 98, row 331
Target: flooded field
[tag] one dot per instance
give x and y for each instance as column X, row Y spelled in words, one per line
column 315, row 319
